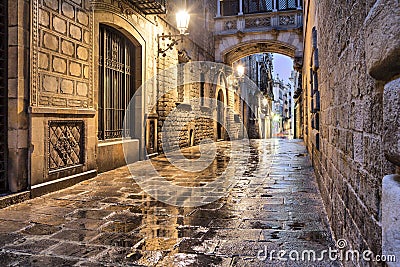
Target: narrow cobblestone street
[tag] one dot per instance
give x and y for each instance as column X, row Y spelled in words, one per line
column 274, row 204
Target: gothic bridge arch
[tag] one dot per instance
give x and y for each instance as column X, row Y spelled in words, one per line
column 242, row 35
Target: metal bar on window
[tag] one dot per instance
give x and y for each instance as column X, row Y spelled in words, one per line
column 116, row 84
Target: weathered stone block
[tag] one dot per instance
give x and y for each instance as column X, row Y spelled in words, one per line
column 82, row 53
column 50, row 41
column 81, row 89
column 67, row 86
column 67, row 48
column 67, row 10
column 358, row 147
column 75, row 32
column 83, row 18
column 59, row 65
column 59, row 25
column 43, row 60
column 44, row 18
column 53, row 4
column 50, row 83
column 75, row 69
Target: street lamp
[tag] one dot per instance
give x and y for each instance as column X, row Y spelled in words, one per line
column 264, row 101
column 182, row 23
column 240, row 71
column 238, row 77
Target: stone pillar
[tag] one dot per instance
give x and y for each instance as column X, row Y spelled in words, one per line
column 18, row 73
column 275, row 6
column 299, row 4
column 382, row 54
column 218, row 8
column 240, row 7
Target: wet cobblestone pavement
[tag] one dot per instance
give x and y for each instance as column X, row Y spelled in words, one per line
column 273, row 204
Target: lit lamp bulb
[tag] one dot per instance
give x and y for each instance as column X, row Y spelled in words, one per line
column 264, row 101
column 240, row 70
column 182, row 21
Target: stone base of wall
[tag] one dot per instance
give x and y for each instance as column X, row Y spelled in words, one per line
column 12, row 199
column 110, row 155
column 51, row 186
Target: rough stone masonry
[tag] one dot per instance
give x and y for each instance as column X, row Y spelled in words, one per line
column 351, row 52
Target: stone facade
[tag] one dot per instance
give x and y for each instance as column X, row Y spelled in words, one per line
column 54, row 85
column 61, row 97
column 348, row 115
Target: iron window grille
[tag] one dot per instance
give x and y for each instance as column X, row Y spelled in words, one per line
column 66, row 144
column 286, row 4
column 229, row 7
column 116, row 85
column 257, row 6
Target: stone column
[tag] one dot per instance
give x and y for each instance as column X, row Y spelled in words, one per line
column 240, row 7
column 274, row 9
column 299, row 4
column 382, row 53
column 218, row 8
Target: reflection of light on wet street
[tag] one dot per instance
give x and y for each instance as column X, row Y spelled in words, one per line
column 180, row 177
column 273, row 202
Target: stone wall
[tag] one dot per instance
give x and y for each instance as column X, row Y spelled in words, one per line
column 197, row 46
column 18, row 97
column 61, row 105
column 346, row 140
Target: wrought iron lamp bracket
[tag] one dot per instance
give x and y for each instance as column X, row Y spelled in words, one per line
column 174, row 38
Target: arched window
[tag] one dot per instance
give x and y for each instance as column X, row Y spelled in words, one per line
column 116, row 82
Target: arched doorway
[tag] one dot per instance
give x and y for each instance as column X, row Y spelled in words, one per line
column 220, row 115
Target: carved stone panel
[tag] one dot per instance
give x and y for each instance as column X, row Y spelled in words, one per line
column 62, row 54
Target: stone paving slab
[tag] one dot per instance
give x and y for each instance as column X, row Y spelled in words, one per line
column 272, row 204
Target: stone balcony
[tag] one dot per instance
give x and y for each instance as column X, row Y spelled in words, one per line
column 259, row 22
